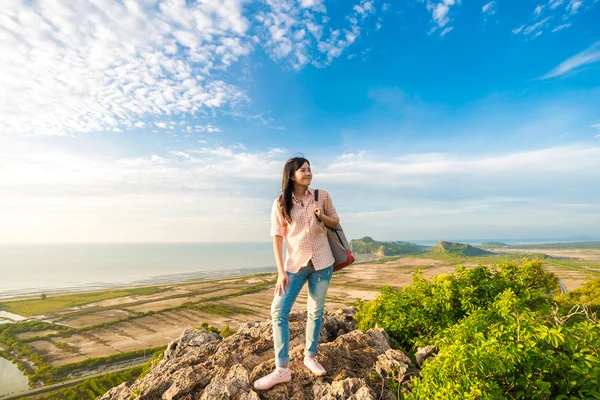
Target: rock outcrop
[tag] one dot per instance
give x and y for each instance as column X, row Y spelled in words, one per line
column 201, row 365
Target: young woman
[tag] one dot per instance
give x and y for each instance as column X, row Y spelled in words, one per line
column 294, row 217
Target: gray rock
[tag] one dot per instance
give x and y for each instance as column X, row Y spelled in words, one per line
column 189, row 338
column 425, row 353
column 364, row 393
column 393, row 363
column 201, row 365
column 339, row 390
column 235, row 383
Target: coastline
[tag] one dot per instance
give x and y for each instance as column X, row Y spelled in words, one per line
column 158, row 280
column 124, row 321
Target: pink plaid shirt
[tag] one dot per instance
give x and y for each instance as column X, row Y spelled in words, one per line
column 306, row 239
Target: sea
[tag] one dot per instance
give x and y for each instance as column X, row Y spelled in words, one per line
column 33, row 269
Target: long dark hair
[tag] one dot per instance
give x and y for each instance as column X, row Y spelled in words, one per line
column 287, row 185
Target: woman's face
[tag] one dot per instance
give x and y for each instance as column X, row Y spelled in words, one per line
column 303, row 176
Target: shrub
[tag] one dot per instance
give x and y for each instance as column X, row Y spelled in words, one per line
column 425, row 308
column 499, row 333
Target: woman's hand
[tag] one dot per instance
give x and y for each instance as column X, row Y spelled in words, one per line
column 318, row 212
column 283, row 283
column 329, row 222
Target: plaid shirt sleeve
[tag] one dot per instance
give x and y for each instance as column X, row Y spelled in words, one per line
column 278, row 223
column 328, row 207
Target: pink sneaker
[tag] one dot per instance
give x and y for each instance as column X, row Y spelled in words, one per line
column 274, row 378
column 314, row 366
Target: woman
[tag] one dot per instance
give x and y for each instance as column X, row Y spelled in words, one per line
column 309, row 258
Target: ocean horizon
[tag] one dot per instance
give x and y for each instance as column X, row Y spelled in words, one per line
column 32, row 269
column 28, row 270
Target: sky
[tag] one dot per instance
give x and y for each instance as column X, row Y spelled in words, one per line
column 170, row 121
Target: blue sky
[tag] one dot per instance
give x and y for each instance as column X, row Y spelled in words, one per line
column 143, row 121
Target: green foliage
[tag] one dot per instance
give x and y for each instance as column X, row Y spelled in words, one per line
column 204, row 326
column 12, row 344
column 66, row 346
column 498, row 332
column 509, row 351
column 56, row 303
column 458, row 249
column 425, row 308
column 93, row 388
column 492, row 244
column 367, row 245
column 221, row 309
column 589, row 295
column 226, row 331
column 48, row 374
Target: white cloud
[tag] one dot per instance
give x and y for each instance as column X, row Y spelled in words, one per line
column 537, row 28
column 72, row 67
column 489, row 9
column 574, row 64
column 538, row 10
column 446, row 31
column 561, row 27
column 47, row 194
column 518, row 30
column 436, row 164
column 574, row 5
column 440, row 13
column 554, row 12
column 298, row 36
column 207, row 128
column 50, row 190
column 97, row 65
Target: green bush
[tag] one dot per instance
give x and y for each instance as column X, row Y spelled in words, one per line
column 499, row 332
column 425, row 308
column 589, row 295
column 510, row 351
column 93, row 388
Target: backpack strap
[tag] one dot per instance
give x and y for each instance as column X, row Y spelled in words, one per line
column 317, row 200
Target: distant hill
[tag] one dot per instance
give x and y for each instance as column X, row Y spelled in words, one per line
column 487, row 245
column 458, row 249
column 368, row 245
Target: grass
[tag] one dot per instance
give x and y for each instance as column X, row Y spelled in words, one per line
column 221, row 309
column 52, row 304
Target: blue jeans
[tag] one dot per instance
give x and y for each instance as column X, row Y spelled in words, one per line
column 318, row 283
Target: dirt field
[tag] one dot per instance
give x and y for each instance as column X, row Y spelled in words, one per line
column 164, row 321
column 28, row 335
column 578, row 254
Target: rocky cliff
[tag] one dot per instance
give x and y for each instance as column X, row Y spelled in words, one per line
column 202, row 365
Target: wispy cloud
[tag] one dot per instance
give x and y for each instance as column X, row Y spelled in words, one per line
column 73, row 67
column 440, row 12
column 561, row 27
column 299, row 33
column 86, row 66
column 176, row 195
column 555, row 14
column 489, row 9
column 575, row 63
